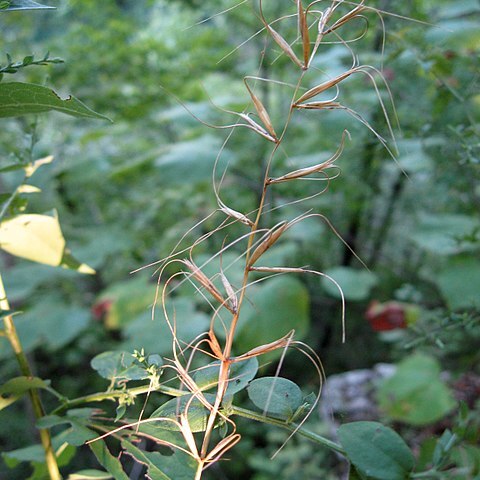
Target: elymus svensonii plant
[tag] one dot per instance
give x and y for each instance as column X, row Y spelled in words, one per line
column 209, row 372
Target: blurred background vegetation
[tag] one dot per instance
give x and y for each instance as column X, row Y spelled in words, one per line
column 127, row 191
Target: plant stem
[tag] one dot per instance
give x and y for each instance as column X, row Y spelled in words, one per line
column 101, row 396
column 11, row 334
column 292, row 427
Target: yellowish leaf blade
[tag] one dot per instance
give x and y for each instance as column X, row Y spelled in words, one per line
column 35, row 237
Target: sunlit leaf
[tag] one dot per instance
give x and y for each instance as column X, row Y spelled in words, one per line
column 23, row 98
column 34, row 237
column 22, row 5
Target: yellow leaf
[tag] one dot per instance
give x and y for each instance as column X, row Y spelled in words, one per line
column 34, row 237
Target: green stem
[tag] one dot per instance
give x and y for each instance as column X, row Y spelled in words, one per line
column 102, row 396
column 292, row 427
column 38, row 410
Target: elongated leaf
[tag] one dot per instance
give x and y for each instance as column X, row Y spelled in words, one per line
column 277, row 396
column 178, row 466
column 107, row 460
column 89, row 475
column 376, row 451
column 34, row 237
column 23, row 98
column 14, row 388
column 6, row 5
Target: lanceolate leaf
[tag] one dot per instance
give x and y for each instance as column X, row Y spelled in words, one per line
column 6, row 5
column 177, row 466
column 16, row 387
column 107, row 460
column 23, row 98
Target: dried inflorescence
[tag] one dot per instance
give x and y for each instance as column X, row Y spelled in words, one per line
column 323, row 18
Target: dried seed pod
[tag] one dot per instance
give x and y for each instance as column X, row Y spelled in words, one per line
column 303, row 172
column 261, row 110
column 271, row 237
column 203, row 280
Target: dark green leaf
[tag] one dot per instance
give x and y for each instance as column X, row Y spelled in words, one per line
column 177, row 466
column 275, row 308
column 107, row 460
column 376, row 451
column 118, row 366
column 14, row 388
column 23, row 98
column 197, row 414
column 278, row 397
column 240, row 374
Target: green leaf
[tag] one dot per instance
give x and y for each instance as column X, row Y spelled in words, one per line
column 155, row 335
column 107, row 460
column 89, row 475
column 274, row 308
column 78, row 419
column 34, row 237
column 458, row 280
column 14, row 388
column 22, row 5
column 23, row 98
column 197, row 413
column 356, row 284
column 51, row 323
column 241, row 373
column 128, row 298
column 278, row 397
column 177, row 466
column 190, row 162
column 415, row 394
column 438, row 234
column 70, row 262
column 118, row 366
column 376, row 451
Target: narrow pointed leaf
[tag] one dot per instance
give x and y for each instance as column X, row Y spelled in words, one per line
column 107, row 460
column 23, row 98
column 6, row 5
column 14, row 388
